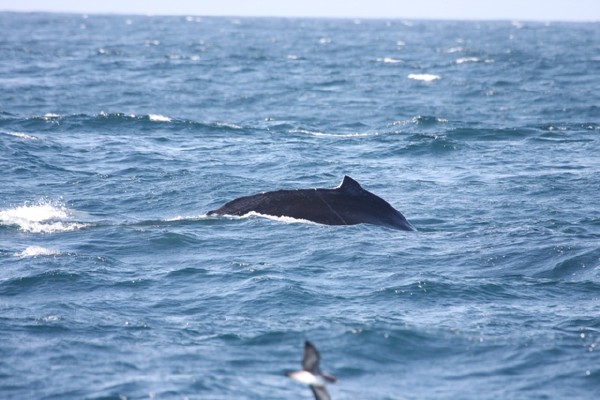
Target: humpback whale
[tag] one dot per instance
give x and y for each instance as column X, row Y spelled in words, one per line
column 347, row 204
column 311, row 373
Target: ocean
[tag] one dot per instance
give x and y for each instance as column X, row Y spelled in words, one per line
column 119, row 133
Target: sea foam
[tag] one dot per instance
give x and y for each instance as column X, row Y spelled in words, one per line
column 159, row 118
column 463, row 60
column 327, row 134
column 287, row 220
column 21, row 135
column 40, row 218
column 37, row 251
column 424, row 77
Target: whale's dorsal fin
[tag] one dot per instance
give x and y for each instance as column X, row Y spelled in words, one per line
column 350, row 186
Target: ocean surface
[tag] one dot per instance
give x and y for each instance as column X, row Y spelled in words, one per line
column 119, row 133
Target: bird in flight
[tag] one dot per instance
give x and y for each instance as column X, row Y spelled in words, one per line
column 311, row 374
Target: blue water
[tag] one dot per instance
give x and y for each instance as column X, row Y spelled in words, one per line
column 119, row 133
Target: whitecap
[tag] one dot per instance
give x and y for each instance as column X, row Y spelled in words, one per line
column 326, row 134
column 37, row 251
column 159, row 118
column 40, row 218
column 21, row 135
column 454, row 50
column 466, row 60
column 34, row 213
column 424, row 77
column 48, row 116
column 390, row 60
column 227, row 125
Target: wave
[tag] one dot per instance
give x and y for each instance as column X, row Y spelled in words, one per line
column 21, row 135
column 463, row 60
column 424, row 77
column 421, row 120
column 108, row 120
column 158, row 118
column 37, row 251
column 284, row 219
column 389, row 60
column 40, row 218
column 330, row 134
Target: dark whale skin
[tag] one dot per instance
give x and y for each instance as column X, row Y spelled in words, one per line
column 348, row 204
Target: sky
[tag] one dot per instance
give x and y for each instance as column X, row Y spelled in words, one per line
column 522, row 10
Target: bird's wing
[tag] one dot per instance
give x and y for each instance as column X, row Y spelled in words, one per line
column 310, row 359
column 320, row 392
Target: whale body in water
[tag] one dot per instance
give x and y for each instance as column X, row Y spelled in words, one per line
column 347, row 204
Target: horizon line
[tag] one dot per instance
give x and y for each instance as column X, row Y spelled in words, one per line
column 373, row 18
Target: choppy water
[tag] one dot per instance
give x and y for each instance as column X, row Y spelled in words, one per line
column 119, row 133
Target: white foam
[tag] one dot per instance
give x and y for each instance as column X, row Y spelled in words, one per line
column 187, row 218
column 159, row 118
column 40, row 218
column 51, row 116
column 284, row 219
column 21, row 135
column 466, row 60
column 37, row 251
column 326, row 134
column 227, row 125
column 424, row 77
column 454, row 50
column 390, row 60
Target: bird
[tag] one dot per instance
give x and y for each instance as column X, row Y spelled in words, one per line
column 311, row 374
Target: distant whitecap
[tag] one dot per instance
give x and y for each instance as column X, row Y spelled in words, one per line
column 327, row 134
column 454, row 50
column 466, row 60
column 21, row 135
column 424, row 77
column 390, row 60
column 227, row 125
column 159, row 118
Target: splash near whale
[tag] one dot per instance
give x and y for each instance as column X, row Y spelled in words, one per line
column 347, row 204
